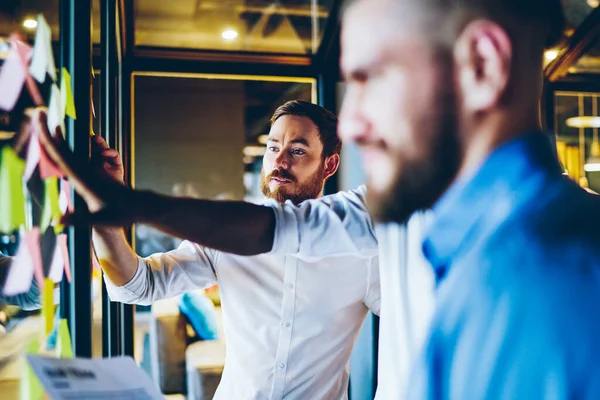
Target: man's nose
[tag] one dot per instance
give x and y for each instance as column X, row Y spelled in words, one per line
column 352, row 127
column 282, row 161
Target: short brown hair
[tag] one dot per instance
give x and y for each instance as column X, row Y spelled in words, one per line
column 325, row 121
column 543, row 18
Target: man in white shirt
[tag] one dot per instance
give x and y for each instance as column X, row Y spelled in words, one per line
column 290, row 318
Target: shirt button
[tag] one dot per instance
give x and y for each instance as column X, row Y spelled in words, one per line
column 288, row 324
column 289, row 286
column 281, row 365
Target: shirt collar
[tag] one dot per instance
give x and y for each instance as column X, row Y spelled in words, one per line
column 459, row 213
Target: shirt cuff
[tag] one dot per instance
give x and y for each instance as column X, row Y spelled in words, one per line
column 129, row 291
column 286, row 239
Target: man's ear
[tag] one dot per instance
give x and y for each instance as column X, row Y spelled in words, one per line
column 483, row 56
column 331, row 165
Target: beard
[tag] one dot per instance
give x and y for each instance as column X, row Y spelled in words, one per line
column 418, row 182
column 310, row 189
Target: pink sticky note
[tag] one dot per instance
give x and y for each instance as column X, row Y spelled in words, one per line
column 20, row 273
column 61, row 242
column 25, row 52
column 47, row 167
column 64, row 200
column 33, row 156
column 32, row 239
column 12, row 78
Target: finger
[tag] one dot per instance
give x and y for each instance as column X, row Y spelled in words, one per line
column 99, row 143
column 110, row 153
column 63, row 157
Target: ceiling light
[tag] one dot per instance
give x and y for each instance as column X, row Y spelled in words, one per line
column 30, row 23
column 550, row 55
column 583, row 122
column 263, row 139
column 593, row 3
column 229, row 34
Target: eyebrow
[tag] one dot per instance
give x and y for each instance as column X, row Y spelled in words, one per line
column 299, row 141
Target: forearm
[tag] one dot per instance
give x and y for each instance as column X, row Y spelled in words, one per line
column 118, row 261
column 229, row 226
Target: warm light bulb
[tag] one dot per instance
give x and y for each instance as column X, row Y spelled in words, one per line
column 229, row 34
column 593, row 3
column 30, row 23
column 550, row 55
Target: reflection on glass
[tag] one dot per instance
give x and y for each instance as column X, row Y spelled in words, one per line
column 292, row 26
column 577, row 123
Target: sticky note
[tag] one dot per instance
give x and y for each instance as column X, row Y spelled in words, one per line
column 25, row 52
column 57, row 265
column 51, row 212
column 43, row 59
column 65, row 201
column 20, row 273
column 33, row 156
column 12, row 78
column 12, row 198
column 48, row 305
column 32, row 240
column 56, row 110
column 30, row 387
column 64, row 349
column 61, row 242
column 67, row 93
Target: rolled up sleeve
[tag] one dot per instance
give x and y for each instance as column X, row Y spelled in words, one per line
column 164, row 275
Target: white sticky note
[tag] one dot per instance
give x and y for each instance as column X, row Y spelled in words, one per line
column 12, row 78
column 20, row 273
column 56, row 110
column 43, row 58
column 33, row 155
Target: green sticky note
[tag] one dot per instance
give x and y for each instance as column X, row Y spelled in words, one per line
column 12, row 199
column 67, row 93
column 51, row 212
column 64, row 348
column 30, row 387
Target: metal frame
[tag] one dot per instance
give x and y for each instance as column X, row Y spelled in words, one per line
column 76, row 57
column 111, row 345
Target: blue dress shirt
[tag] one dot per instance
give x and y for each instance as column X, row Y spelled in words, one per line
column 516, row 253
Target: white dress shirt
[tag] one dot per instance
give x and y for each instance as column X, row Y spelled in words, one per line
column 407, row 303
column 291, row 316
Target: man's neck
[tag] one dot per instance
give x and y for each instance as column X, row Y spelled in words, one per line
column 492, row 132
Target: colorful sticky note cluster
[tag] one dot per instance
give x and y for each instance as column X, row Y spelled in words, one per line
column 12, row 198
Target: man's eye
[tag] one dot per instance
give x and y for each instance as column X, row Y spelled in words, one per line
column 273, row 149
column 298, row 152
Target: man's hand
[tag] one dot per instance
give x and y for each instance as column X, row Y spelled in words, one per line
column 109, row 201
column 106, row 160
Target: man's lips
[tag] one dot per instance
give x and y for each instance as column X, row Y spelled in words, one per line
column 280, row 181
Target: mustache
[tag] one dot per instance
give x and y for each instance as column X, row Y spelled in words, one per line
column 281, row 174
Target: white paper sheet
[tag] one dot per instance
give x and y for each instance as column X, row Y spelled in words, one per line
column 117, row 378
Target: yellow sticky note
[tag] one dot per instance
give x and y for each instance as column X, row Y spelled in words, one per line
column 12, row 199
column 30, row 387
column 64, row 349
column 51, row 212
column 67, row 93
column 48, row 306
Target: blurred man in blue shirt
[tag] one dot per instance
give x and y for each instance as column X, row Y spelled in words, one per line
column 442, row 99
